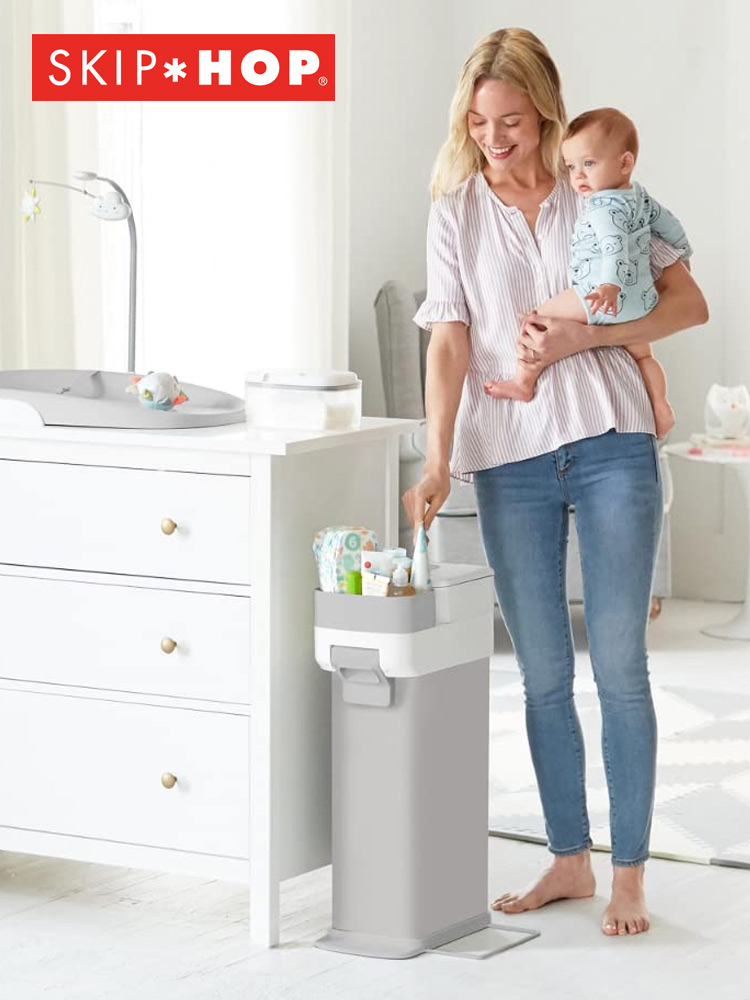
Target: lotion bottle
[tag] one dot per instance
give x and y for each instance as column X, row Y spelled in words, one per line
column 400, row 586
column 420, row 568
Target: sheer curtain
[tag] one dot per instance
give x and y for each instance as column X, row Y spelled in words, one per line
column 246, row 212
column 50, row 301
column 36, row 303
column 309, row 225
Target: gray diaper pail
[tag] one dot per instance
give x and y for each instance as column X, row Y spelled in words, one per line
column 410, row 738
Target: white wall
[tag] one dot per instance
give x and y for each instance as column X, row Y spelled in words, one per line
column 666, row 65
column 717, row 565
column 403, row 75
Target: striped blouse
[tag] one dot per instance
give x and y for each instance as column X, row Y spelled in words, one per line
column 484, row 267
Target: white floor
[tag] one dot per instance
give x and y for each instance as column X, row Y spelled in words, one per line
column 70, row 931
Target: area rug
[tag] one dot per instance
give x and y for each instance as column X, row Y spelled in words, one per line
column 702, row 811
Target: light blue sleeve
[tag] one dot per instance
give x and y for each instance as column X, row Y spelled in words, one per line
column 668, row 227
column 611, row 239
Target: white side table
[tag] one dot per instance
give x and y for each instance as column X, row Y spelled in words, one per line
column 738, row 627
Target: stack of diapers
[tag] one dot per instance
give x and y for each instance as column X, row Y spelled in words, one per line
column 338, row 550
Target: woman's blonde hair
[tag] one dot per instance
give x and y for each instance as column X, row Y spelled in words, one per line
column 518, row 58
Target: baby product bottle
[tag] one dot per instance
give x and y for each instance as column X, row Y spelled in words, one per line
column 400, row 586
column 404, row 561
column 420, row 568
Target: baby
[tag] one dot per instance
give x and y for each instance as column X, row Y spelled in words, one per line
column 610, row 263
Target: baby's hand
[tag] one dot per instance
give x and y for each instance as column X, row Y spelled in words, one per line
column 605, row 298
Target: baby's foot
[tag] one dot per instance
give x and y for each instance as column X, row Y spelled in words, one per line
column 627, row 912
column 664, row 418
column 568, row 877
column 511, row 388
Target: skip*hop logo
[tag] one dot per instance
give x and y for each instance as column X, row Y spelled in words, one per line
column 183, row 67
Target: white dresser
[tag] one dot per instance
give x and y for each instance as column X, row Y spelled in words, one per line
column 160, row 706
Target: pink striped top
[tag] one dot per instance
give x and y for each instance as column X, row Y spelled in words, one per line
column 484, row 267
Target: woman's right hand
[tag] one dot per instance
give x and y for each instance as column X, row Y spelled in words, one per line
column 431, row 491
column 548, row 339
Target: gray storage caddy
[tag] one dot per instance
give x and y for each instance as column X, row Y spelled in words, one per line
column 410, row 737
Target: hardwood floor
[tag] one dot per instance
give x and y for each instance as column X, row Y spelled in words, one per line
column 70, row 931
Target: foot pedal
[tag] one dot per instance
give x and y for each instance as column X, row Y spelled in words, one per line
column 489, row 941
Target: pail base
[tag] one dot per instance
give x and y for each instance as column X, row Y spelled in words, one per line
column 476, row 937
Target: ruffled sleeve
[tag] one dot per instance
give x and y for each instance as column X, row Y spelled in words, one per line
column 663, row 254
column 445, row 301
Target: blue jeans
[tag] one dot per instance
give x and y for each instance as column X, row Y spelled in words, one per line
column 614, row 482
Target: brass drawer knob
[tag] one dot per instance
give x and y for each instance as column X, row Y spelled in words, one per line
column 168, row 645
column 168, row 526
column 168, row 780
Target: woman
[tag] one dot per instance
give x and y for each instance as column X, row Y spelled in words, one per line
column 498, row 245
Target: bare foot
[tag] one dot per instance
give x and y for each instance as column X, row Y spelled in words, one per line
column 568, row 877
column 626, row 913
column 510, row 389
column 664, row 419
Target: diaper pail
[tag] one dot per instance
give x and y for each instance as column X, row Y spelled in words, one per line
column 410, row 718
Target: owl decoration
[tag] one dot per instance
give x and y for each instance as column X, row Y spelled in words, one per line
column 727, row 411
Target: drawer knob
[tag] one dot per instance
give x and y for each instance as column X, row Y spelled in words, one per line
column 168, row 526
column 168, row 645
column 168, row 780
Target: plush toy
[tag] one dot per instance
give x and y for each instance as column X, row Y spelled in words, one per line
column 157, row 390
column 727, row 411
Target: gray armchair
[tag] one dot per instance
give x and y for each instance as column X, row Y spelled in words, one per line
column 455, row 532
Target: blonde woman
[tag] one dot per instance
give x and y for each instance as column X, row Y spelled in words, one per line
column 497, row 246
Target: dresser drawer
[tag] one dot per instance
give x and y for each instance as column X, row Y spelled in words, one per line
column 133, row 521
column 94, row 768
column 173, row 643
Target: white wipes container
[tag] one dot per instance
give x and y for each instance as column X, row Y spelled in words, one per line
column 306, row 399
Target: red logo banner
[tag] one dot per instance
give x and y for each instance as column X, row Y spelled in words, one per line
column 183, row 68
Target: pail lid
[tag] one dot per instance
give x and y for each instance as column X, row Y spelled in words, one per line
column 304, row 378
column 451, row 574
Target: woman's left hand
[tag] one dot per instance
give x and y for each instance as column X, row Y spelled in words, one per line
column 547, row 339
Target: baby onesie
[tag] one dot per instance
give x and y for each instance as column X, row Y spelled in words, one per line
column 610, row 245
